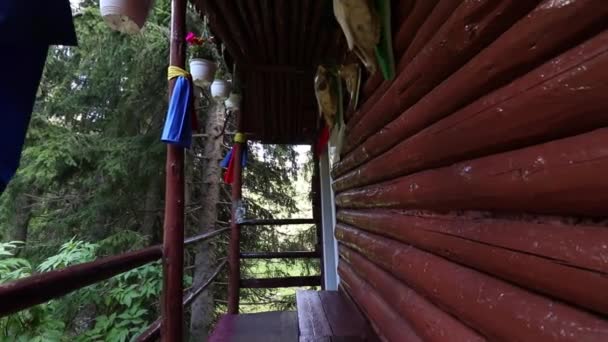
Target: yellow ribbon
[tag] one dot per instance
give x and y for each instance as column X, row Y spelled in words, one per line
column 240, row 138
column 175, row 71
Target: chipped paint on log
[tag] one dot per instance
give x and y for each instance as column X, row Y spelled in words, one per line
column 428, row 321
column 386, row 322
column 564, row 177
column 407, row 31
column 567, row 98
column 568, row 262
column 529, row 42
column 497, row 309
column 473, row 26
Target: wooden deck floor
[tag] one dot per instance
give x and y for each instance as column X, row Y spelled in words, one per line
column 275, row 326
column 323, row 316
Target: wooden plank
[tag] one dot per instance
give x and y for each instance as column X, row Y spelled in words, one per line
column 266, row 283
column 494, row 307
column 387, row 323
column 428, row 321
column 488, row 71
column 312, row 320
column 276, row 326
column 564, row 177
column 472, row 26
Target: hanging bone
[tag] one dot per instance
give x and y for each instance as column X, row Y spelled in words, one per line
column 361, row 26
column 327, row 95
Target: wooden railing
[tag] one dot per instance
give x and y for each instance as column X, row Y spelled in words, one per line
column 153, row 331
column 264, row 283
column 27, row 292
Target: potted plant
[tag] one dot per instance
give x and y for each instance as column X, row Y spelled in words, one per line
column 127, row 16
column 202, row 65
column 233, row 102
column 220, row 88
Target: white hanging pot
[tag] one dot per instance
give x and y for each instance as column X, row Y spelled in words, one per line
column 127, row 16
column 202, row 71
column 233, row 102
column 220, row 89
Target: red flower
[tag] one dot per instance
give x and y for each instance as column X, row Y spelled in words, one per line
column 192, row 39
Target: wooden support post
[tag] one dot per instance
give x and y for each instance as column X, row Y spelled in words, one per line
column 234, row 267
column 173, row 241
column 316, row 210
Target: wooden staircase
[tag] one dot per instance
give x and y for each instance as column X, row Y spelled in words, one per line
column 322, row 316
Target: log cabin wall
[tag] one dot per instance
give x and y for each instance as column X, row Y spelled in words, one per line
column 472, row 190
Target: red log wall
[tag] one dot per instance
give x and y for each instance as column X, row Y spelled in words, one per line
column 472, row 191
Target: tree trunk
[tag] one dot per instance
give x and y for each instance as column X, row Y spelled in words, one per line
column 21, row 219
column 152, row 208
column 202, row 308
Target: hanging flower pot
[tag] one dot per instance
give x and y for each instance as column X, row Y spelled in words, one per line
column 202, row 71
column 220, row 89
column 233, row 102
column 126, row 16
column 202, row 65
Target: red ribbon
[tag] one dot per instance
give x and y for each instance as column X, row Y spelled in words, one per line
column 322, row 140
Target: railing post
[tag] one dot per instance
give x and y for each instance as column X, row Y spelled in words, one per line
column 316, row 211
column 173, row 240
column 234, row 266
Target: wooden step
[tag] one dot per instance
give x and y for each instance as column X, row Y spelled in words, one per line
column 329, row 316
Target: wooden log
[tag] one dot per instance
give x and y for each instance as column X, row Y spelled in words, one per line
column 530, row 41
column 428, row 321
column 407, row 31
column 42, row 287
column 267, row 283
column 427, row 28
column 563, row 177
column 472, row 26
column 411, row 14
column 497, row 309
column 567, row 262
column 385, row 321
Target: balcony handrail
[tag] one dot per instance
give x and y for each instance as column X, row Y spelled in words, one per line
column 276, row 222
column 42, row 287
column 281, row 255
column 39, row 288
column 153, row 331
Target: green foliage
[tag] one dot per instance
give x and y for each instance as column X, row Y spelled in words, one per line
column 123, row 303
column 71, row 252
column 92, row 172
column 206, row 51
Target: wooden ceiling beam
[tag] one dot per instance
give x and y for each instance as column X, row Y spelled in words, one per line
column 219, row 26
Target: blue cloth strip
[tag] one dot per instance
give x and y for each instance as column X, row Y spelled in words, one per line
column 178, row 130
column 226, row 161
